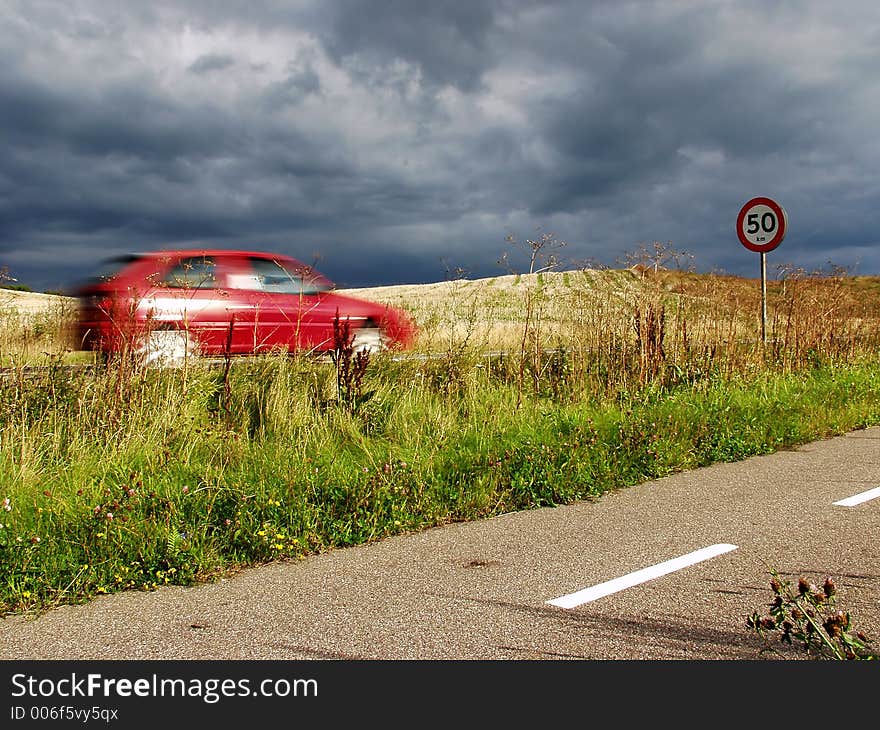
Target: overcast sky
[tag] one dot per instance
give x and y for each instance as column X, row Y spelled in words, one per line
column 399, row 140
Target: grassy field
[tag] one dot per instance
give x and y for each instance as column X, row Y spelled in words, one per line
column 525, row 391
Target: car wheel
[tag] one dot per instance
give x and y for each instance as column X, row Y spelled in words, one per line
column 369, row 339
column 167, row 348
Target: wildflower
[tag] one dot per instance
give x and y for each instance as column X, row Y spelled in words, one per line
column 829, row 587
column 7, row 505
column 35, row 540
column 262, row 533
column 109, row 515
column 185, row 489
column 836, row 624
column 100, row 534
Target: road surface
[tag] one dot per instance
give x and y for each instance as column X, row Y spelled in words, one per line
column 523, row 585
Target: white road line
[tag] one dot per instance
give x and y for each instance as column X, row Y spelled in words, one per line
column 640, row 576
column 859, row 498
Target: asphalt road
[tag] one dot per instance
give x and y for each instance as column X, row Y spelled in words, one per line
column 481, row 590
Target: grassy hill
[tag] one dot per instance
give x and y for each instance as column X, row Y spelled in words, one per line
column 578, row 309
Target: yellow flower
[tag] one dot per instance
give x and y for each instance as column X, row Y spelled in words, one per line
column 262, row 533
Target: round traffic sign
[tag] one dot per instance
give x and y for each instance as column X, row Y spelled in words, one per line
column 761, row 224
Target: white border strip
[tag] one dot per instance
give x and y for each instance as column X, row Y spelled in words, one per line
column 640, row 576
column 859, row 498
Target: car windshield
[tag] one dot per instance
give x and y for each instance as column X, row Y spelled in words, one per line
column 274, row 276
column 195, row 272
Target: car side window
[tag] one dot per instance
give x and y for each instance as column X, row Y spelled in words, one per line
column 270, row 276
column 192, row 273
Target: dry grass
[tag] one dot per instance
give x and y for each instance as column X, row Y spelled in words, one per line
column 635, row 313
column 29, row 303
column 673, row 314
column 34, row 326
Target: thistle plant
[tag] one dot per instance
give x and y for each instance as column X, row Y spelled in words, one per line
column 810, row 617
column 351, row 366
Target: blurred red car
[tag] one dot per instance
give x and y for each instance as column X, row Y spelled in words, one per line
column 167, row 304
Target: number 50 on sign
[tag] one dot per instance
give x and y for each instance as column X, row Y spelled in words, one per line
column 761, row 225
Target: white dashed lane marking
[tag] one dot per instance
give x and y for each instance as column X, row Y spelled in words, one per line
column 640, row 576
column 859, row 498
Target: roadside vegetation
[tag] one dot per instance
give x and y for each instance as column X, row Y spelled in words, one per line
column 528, row 390
column 809, row 619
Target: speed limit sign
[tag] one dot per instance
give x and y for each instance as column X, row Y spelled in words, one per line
column 761, row 225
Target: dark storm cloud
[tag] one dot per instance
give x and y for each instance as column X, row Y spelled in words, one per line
column 398, row 140
column 445, row 39
column 293, row 89
column 211, row 62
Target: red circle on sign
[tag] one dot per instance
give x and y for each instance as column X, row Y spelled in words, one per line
column 781, row 225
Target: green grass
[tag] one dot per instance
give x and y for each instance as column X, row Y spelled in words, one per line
column 123, row 478
column 120, row 480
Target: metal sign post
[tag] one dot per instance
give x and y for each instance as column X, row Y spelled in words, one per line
column 761, row 226
column 763, row 298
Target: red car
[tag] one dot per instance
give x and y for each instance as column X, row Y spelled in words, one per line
column 166, row 304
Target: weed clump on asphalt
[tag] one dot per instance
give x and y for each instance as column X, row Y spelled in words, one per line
column 809, row 618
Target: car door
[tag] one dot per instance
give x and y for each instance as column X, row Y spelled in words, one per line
column 192, row 292
column 287, row 305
